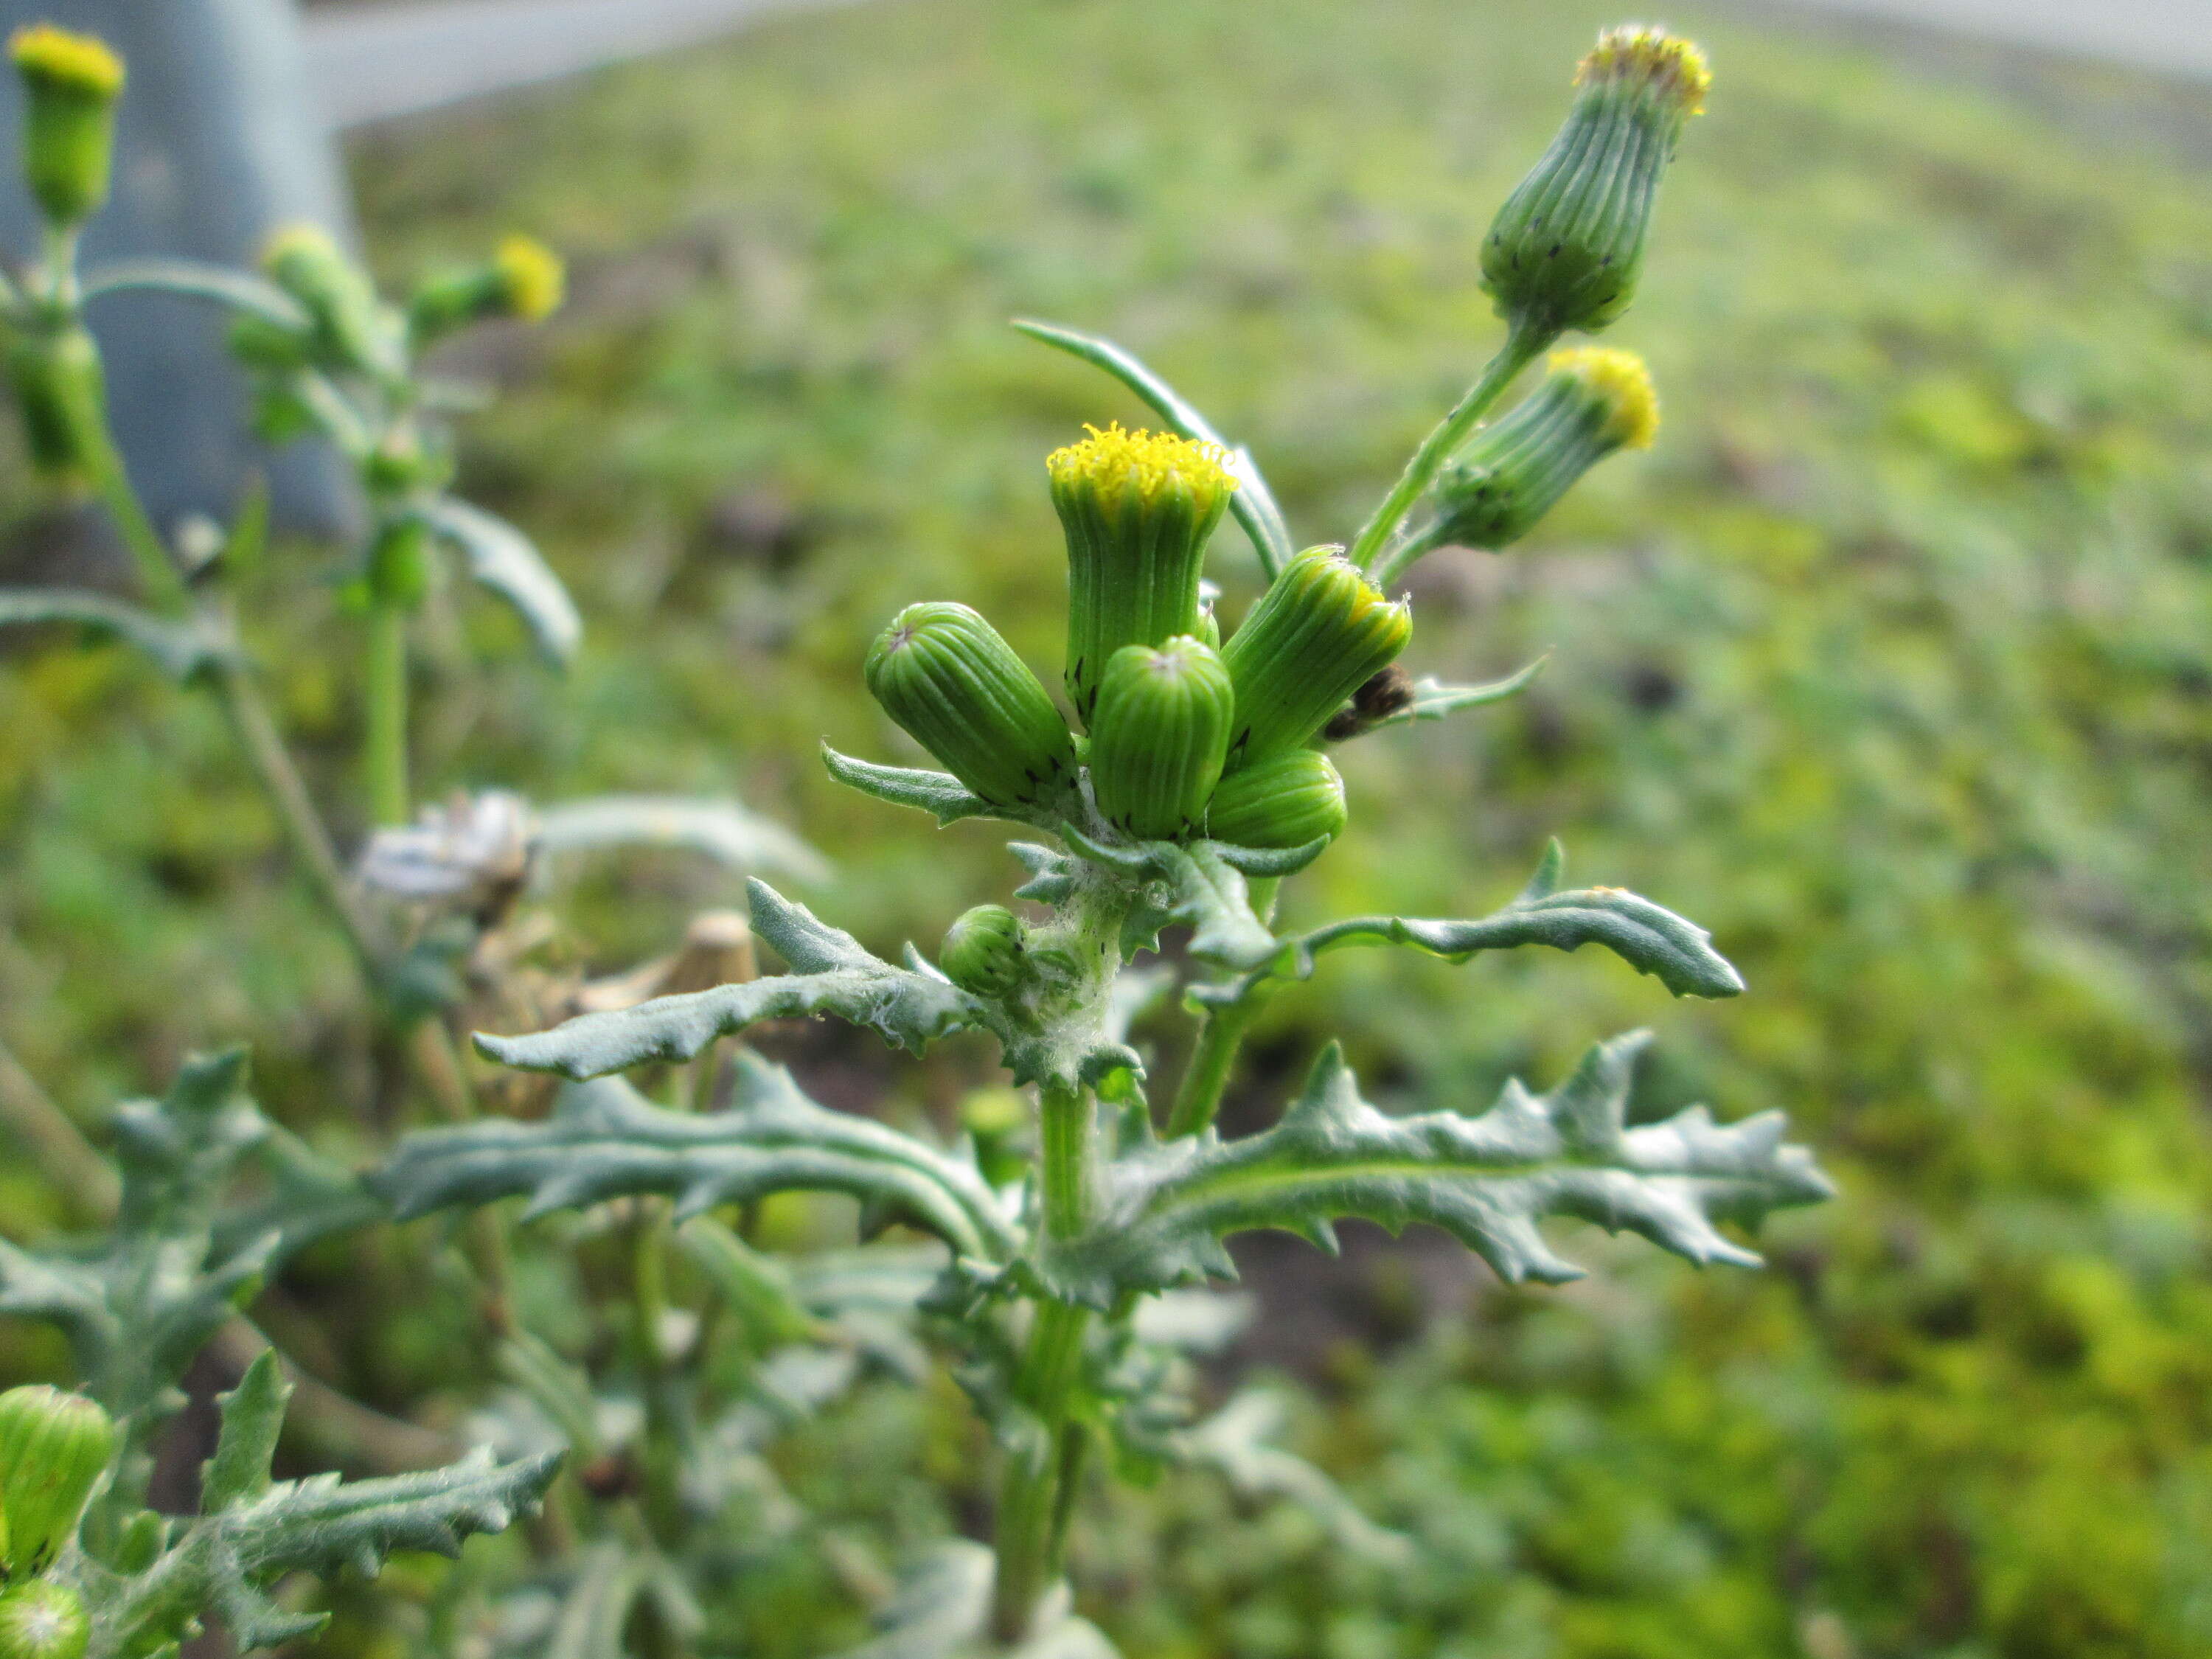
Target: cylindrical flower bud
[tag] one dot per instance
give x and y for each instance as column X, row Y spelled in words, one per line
column 349, row 330
column 945, row 675
column 1160, row 735
column 983, row 951
column 1594, row 400
column 54, row 1448
column 41, row 1621
column 1288, row 801
column 1138, row 507
column 70, row 86
column 1316, row 635
column 523, row 279
column 56, row 376
column 1564, row 251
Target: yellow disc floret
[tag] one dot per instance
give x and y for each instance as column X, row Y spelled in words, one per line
column 1619, row 381
column 1669, row 65
column 535, row 279
column 300, row 239
column 78, row 63
column 1144, row 464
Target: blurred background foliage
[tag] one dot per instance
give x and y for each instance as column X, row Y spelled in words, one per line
column 1891, row 664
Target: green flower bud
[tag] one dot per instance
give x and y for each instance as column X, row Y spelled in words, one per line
column 945, row 675
column 1564, row 251
column 39, row 1620
column 54, row 1448
column 1293, row 799
column 1316, row 635
column 524, row 280
column 1594, row 401
column 1138, row 507
column 349, row 328
column 1160, row 735
column 70, row 83
column 983, row 951
column 61, row 392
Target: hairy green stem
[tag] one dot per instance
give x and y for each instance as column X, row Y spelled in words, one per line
column 1220, row 1036
column 1033, row 1498
column 384, row 687
column 1522, row 345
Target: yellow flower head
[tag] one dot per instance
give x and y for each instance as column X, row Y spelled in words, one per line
column 299, row 240
column 1619, row 380
column 532, row 275
column 1142, row 463
column 1668, row 66
column 49, row 55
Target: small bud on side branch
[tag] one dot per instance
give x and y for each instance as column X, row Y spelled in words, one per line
column 1565, row 249
column 983, row 951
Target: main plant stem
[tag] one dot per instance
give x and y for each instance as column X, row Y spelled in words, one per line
column 1037, row 1494
column 1522, row 344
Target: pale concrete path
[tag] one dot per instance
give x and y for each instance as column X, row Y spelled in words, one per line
column 2169, row 37
column 371, row 62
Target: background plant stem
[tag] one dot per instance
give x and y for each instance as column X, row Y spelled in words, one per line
column 384, row 687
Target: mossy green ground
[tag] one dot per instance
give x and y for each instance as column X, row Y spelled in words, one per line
column 1892, row 664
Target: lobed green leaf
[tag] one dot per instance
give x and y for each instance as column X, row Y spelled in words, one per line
column 182, row 650
column 1487, row 1180
column 606, row 1140
column 507, row 563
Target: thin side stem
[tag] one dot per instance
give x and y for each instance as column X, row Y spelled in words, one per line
column 157, row 571
column 264, row 750
column 1212, row 1059
column 1522, row 344
column 38, row 1124
column 385, row 687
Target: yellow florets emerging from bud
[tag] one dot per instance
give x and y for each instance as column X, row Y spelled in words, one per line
column 1670, row 65
column 1144, row 462
column 297, row 240
column 81, row 63
column 1619, row 380
column 533, row 277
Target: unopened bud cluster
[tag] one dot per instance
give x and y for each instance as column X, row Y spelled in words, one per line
column 1187, row 738
column 54, row 1447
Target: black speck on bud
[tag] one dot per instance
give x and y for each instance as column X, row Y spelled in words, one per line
column 1159, row 736
column 1137, row 509
column 1288, row 801
column 983, row 951
column 1318, row 634
column 1565, row 250
column 947, row 677
column 1594, row 400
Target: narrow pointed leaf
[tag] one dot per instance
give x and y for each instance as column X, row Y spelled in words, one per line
column 832, row 974
column 941, row 795
column 606, row 1140
column 239, row 290
column 1488, row 1180
column 501, row 558
column 1253, row 503
column 180, row 649
column 1433, row 699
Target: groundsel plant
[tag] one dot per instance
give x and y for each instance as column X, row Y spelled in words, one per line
column 204, row 1198
column 1194, row 781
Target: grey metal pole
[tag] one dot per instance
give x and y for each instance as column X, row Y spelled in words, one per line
column 216, row 144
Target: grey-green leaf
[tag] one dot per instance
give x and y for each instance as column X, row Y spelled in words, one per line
column 942, row 1611
column 1433, row 699
column 1650, row 937
column 1199, row 888
column 721, row 829
column 239, row 290
column 1253, row 503
column 180, row 649
column 832, row 974
column 606, row 1140
column 941, row 795
column 1488, row 1180
column 501, row 558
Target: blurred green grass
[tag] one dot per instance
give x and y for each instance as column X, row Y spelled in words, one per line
column 1890, row 665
